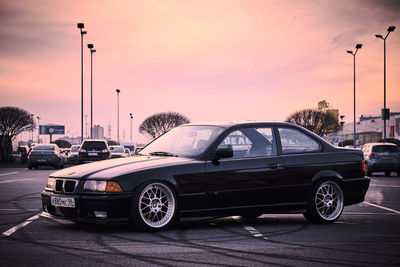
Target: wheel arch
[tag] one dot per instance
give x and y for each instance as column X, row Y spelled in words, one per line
column 325, row 174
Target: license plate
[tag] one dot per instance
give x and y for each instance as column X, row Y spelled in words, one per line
column 92, row 154
column 68, row 202
column 42, row 160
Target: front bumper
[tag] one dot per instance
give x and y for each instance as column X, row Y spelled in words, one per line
column 354, row 190
column 116, row 206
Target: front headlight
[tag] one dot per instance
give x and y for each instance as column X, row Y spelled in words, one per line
column 102, row 186
column 50, row 183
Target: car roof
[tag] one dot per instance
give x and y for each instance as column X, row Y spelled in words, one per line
column 228, row 124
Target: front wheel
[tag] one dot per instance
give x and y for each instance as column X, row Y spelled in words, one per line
column 325, row 204
column 153, row 207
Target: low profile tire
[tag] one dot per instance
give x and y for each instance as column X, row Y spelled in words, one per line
column 326, row 202
column 387, row 173
column 153, row 207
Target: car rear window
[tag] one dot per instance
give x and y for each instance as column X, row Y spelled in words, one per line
column 43, row 147
column 385, row 149
column 117, row 149
column 94, row 145
column 75, row 148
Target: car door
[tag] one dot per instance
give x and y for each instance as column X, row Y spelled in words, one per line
column 303, row 157
column 246, row 179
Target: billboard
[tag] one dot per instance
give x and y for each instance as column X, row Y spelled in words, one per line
column 52, row 129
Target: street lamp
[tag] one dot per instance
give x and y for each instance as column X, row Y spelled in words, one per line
column 80, row 27
column 358, row 46
column 32, row 128
column 38, row 132
column 90, row 46
column 130, row 114
column 118, row 91
column 385, row 112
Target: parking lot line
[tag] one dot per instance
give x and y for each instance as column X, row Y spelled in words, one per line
column 8, row 173
column 15, row 180
column 21, row 225
column 381, row 207
column 249, row 228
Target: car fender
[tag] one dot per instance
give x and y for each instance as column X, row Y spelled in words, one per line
column 326, row 174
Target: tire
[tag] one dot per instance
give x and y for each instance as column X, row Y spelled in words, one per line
column 153, row 207
column 387, row 173
column 57, row 166
column 369, row 171
column 326, row 202
column 29, row 167
column 36, row 167
column 398, row 173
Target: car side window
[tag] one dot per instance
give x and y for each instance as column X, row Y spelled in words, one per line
column 251, row 142
column 295, row 141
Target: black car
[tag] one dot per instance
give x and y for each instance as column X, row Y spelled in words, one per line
column 213, row 170
column 93, row 150
column 46, row 155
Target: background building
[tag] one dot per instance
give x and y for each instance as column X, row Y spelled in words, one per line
column 98, row 132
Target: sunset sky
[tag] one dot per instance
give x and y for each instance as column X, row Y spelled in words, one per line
column 208, row 60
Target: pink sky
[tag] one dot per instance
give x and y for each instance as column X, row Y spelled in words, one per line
column 209, row 60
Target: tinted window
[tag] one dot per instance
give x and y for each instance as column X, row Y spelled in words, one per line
column 295, row 141
column 43, row 147
column 385, row 149
column 94, row 145
column 251, row 142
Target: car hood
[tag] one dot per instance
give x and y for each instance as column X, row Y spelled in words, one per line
column 110, row 168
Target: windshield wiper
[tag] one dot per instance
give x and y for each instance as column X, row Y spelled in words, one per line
column 163, row 154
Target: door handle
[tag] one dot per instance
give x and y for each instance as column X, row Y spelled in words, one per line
column 273, row 165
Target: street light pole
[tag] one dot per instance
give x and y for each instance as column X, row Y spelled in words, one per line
column 130, row 114
column 38, row 132
column 385, row 112
column 32, row 128
column 358, row 46
column 80, row 27
column 90, row 46
column 118, row 91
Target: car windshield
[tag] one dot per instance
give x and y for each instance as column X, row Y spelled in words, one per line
column 184, row 141
column 117, row 149
column 385, row 149
column 75, row 148
column 43, row 147
column 93, row 145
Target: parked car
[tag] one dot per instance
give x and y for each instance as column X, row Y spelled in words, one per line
column 382, row 157
column 213, row 170
column 45, row 154
column 127, row 152
column 94, row 150
column 74, row 154
column 117, row 152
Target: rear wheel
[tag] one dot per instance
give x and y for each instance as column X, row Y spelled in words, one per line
column 369, row 171
column 153, row 207
column 29, row 167
column 387, row 173
column 325, row 204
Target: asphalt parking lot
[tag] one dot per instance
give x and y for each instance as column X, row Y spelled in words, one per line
column 367, row 234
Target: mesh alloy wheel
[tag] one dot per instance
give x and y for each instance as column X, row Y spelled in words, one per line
column 156, row 205
column 329, row 200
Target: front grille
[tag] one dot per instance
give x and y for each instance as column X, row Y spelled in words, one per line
column 65, row 186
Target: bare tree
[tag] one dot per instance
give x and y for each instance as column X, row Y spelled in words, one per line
column 13, row 121
column 318, row 121
column 160, row 123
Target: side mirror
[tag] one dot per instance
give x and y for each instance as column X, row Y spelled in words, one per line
column 222, row 153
